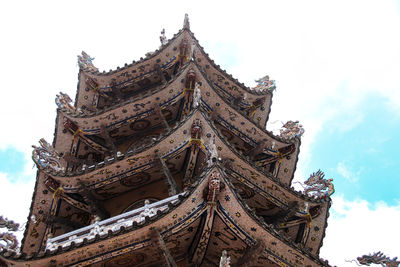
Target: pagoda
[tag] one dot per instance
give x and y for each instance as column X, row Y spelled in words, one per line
column 167, row 162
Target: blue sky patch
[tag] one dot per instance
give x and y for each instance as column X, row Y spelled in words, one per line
column 363, row 161
column 12, row 162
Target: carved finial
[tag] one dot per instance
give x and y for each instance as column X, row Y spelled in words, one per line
column 186, row 24
column 46, row 156
column 225, row 260
column 265, row 84
column 213, row 153
column 317, row 186
column 163, row 38
column 377, row 258
column 196, row 95
column 9, row 240
column 291, row 129
column 86, row 62
column 64, row 102
column 192, row 51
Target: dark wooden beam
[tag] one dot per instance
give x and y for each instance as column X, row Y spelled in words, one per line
column 95, row 204
column 173, row 187
column 160, row 73
column 250, row 254
column 159, row 113
column 110, row 143
column 50, row 219
column 169, row 260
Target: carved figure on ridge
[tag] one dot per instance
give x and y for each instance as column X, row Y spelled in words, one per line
column 10, row 240
column 317, row 186
column 291, row 129
column 64, row 102
column 86, row 62
column 163, row 38
column 265, row 83
column 225, row 260
column 46, row 156
column 377, row 258
column 196, row 96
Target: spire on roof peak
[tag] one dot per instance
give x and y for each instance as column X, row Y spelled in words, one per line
column 186, row 24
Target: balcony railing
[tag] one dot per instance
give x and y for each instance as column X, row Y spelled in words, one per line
column 114, row 223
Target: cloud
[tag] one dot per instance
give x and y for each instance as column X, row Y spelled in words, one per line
column 344, row 170
column 356, row 228
column 15, row 198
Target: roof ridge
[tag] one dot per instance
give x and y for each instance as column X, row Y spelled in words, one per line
column 269, row 227
column 147, row 57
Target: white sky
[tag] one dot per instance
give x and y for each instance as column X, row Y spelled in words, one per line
column 326, row 56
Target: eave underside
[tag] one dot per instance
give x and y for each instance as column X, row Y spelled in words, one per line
column 196, row 231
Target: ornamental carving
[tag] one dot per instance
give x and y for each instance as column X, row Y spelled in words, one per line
column 163, row 38
column 291, row 129
column 190, row 82
column 214, row 186
column 378, row 258
column 64, row 102
column 9, row 240
column 196, row 96
column 9, row 224
column 225, row 261
column 183, row 52
column 317, row 186
column 51, row 184
column 46, row 157
column 85, row 62
column 265, row 84
column 196, row 130
column 212, row 156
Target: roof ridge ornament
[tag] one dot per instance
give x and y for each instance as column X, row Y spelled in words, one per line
column 225, row 260
column 317, row 186
column 64, row 102
column 46, row 157
column 186, row 24
column 291, row 129
column 163, row 38
column 265, row 84
column 85, row 62
column 376, row 258
column 197, row 95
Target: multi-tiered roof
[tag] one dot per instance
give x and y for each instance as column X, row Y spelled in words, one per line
column 167, row 161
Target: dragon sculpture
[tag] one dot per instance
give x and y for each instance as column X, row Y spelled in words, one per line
column 46, row 156
column 8, row 238
column 291, row 129
column 377, row 258
column 264, row 84
column 86, row 62
column 317, row 186
column 64, row 102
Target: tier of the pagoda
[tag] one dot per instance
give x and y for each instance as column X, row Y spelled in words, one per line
column 210, row 205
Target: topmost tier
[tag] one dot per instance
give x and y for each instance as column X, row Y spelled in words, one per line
column 97, row 91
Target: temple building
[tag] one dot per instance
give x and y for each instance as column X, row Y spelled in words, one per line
column 167, row 162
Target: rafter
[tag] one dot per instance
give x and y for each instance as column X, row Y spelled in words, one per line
column 95, row 205
column 173, row 187
column 106, row 135
column 161, row 115
column 158, row 239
